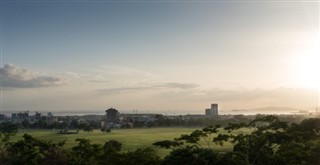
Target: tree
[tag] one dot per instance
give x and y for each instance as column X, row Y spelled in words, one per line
column 88, row 128
column 112, row 146
column 25, row 124
column 191, row 155
column 142, row 156
column 102, row 129
column 270, row 141
column 30, row 150
column 74, row 124
column 259, row 146
column 7, row 130
column 85, row 153
column 8, row 127
column 167, row 144
column 107, row 130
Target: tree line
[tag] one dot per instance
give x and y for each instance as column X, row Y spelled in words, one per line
column 68, row 122
column 270, row 141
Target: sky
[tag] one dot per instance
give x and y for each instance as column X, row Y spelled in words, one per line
column 159, row 56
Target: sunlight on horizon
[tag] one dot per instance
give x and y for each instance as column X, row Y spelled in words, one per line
column 307, row 67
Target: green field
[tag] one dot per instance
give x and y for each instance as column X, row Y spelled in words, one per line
column 131, row 139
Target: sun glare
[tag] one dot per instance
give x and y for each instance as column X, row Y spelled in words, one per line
column 308, row 67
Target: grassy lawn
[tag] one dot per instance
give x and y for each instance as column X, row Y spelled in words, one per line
column 131, row 139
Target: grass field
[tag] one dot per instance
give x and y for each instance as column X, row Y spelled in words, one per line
column 131, row 139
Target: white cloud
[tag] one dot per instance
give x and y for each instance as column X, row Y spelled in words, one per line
column 13, row 76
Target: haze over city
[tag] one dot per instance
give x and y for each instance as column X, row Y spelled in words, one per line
column 159, row 56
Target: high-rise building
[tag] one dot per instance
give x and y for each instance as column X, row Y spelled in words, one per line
column 213, row 111
column 112, row 115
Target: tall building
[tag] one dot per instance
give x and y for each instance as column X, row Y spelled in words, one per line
column 213, row 111
column 112, row 115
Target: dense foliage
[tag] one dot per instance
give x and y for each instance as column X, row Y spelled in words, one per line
column 270, row 142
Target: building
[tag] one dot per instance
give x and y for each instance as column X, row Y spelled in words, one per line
column 213, row 111
column 20, row 116
column 3, row 117
column 139, row 117
column 112, row 115
column 208, row 112
column 111, row 119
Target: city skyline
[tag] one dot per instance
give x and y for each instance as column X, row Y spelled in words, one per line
column 159, row 55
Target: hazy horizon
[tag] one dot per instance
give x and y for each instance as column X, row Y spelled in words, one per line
column 262, row 110
column 159, row 55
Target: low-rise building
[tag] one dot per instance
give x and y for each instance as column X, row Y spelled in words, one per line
column 19, row 117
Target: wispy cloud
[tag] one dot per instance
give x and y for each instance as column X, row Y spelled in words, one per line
column 122, row 71
column 15, row 77
column 157, row 86
column 118, row 75
column 74, row 74
column 177, row 85
column 98, row 81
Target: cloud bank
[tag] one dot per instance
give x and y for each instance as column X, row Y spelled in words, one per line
column 13, row 76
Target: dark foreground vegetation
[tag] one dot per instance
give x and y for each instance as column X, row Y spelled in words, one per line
column 270, row 142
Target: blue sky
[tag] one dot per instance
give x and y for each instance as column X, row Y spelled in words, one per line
column 182, row 55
